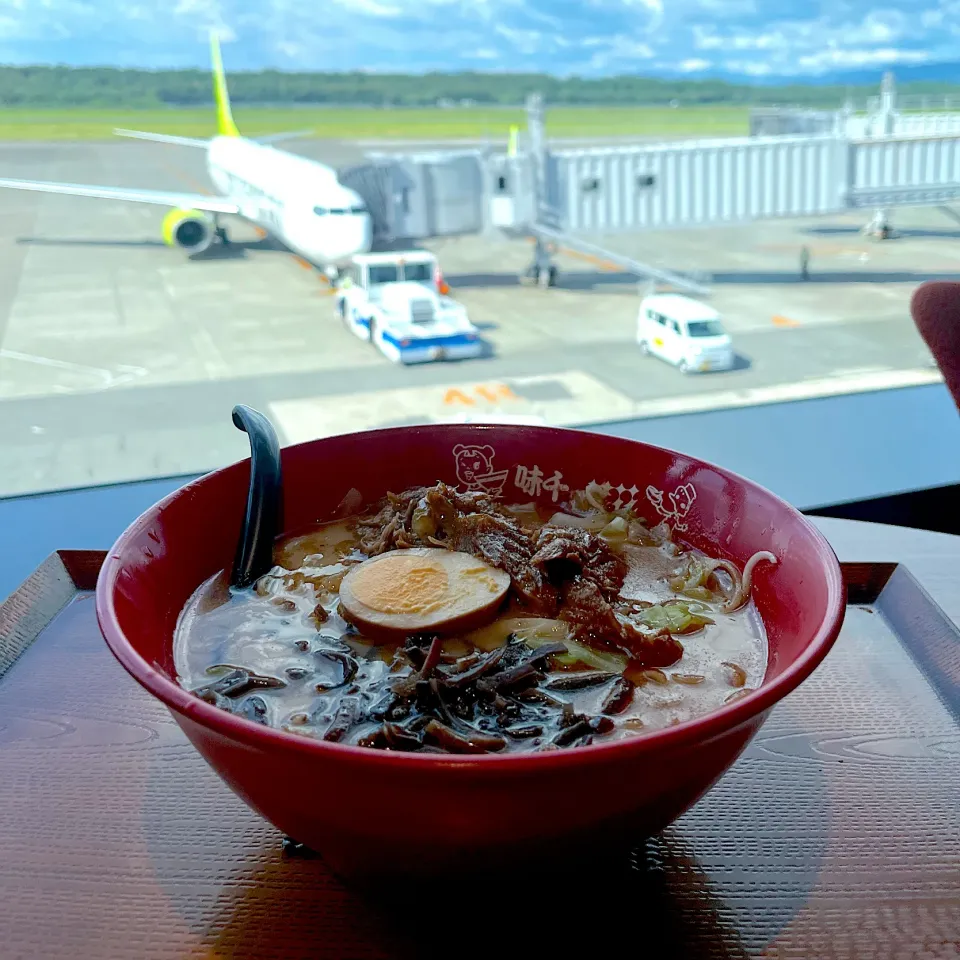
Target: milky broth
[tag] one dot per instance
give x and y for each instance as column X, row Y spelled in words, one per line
column 287, row 628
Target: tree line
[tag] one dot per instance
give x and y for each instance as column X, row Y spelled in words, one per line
column 60, row 86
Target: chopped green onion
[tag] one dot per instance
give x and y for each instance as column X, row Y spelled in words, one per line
column 599, row 659
column 675, row 616
column 535, row 633
column 616, row 529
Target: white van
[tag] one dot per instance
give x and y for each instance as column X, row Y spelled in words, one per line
column 683, row 332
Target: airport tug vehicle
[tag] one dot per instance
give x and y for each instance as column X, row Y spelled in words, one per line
column 399, row 302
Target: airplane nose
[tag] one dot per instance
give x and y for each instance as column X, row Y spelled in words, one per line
column 351, row 236
column 366, row 234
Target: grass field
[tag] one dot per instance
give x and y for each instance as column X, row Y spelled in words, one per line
column 352, row 124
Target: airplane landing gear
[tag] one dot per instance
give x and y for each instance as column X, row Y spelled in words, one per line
column 222, row 235
column 543, row 271
column 880, row 227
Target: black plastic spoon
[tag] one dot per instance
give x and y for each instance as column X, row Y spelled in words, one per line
column 264, row 515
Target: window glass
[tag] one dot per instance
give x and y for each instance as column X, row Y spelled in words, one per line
column 418, row 272
column 705, row 328
column 383, row 273
column 655, row 117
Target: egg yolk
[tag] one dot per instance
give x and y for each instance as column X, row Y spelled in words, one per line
column 482, row 578
column 402, row 583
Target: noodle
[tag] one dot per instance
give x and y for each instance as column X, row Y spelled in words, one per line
column 590, row 495
column 742, row 595
column 598, row 604
column 697, row 571
column 736, row 579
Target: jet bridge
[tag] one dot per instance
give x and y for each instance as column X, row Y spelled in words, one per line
column 547, row 237
column 556, row 196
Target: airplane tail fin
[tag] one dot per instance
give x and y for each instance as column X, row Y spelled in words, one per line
column 225, row 125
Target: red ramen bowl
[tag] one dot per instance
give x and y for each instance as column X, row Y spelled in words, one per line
column 369, row 812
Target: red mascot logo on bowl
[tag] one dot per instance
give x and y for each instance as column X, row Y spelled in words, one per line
column 475, row 468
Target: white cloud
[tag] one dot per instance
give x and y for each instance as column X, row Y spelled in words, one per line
column 757, row 37
column 862, row 58
column 653, row 6
column 620, row 50
column 703, row 39
column 759, row 41
column 375, row 8
column 525, row 41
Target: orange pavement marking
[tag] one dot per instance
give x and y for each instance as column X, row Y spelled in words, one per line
column 491, row 392
column 494, row 392
column 779, row 321
column 457, row 396
column 607, row 265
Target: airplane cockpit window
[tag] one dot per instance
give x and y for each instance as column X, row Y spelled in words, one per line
column 338, row 211
column 418, row 272
column 383, row 273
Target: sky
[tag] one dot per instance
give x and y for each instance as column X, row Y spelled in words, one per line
column 747, row 38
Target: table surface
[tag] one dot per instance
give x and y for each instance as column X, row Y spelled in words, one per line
column 933, row 558
column 121, row 859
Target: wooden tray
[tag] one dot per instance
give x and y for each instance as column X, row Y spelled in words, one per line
column 836, row 835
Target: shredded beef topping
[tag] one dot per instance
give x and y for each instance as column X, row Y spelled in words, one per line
column 555, row 571
column 564, row 553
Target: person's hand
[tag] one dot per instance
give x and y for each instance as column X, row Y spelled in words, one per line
column 935, row 307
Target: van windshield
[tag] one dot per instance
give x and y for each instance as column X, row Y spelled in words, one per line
column 705, row 328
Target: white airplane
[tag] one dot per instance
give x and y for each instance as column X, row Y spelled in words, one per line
column 298, row 201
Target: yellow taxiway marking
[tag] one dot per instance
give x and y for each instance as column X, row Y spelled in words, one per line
column 779, row 321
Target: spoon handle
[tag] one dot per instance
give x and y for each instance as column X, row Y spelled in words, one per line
column 264, row 515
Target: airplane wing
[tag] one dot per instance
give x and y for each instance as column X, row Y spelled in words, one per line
column 162, row 138
column 164, row 198
column 281, row 137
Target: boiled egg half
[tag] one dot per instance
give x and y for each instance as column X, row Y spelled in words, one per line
column 421, row 590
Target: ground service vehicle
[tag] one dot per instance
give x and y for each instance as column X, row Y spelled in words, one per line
column 394, row 301
column 684, row 332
